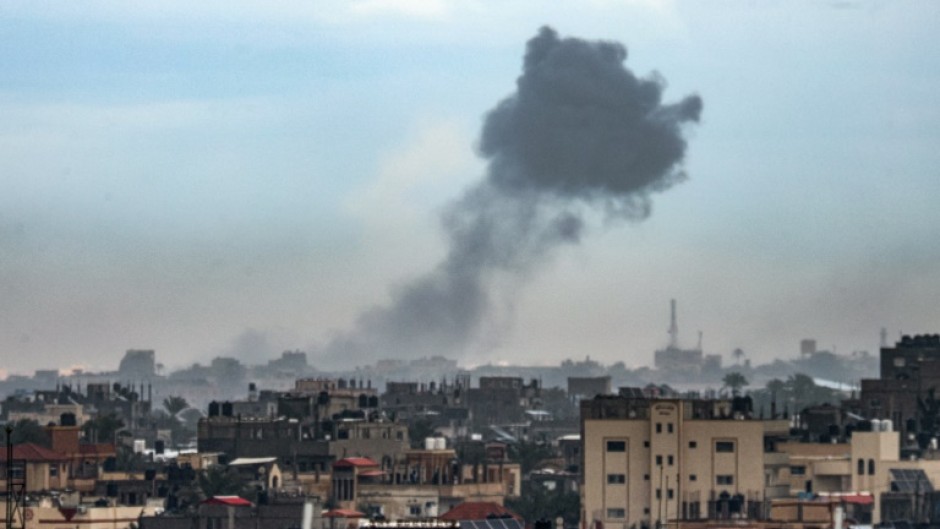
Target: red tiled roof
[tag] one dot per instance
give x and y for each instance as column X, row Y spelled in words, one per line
column 227, row 500
column 33, row 452
column 477, row 510
column 355, row 462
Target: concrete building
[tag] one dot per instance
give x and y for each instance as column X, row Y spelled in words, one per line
column 909, row 371
column 649, row 461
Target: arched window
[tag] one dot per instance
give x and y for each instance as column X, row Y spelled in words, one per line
column 861, row 467
column 871, row 467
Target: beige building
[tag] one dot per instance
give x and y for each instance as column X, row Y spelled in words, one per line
column 651, row 461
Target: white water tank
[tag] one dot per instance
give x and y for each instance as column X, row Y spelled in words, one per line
column 887, row 425
column 876, row 425
column 440, row 443
column 139, row 446
column 429, row 443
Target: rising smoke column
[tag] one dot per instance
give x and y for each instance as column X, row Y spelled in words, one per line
column 580, row 133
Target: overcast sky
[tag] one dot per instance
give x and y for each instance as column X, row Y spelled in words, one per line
column 239, row 178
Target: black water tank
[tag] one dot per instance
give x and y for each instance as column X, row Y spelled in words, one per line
column 67, row 419
column 213, row 409
column 159, row 446
column 227, row 409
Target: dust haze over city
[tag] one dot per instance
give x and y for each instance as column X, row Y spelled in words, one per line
column 508, row 184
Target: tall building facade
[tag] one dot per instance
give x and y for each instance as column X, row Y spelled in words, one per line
column 909, row 371
column 650, row 461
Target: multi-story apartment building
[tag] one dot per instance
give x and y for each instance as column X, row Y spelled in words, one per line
column 909, row 371
column 649, row 461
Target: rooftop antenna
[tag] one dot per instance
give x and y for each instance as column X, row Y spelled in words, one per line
column 673, row 328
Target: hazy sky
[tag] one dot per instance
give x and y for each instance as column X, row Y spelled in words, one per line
column 242, row 178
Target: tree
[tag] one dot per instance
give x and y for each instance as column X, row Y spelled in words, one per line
column 734, row 381
column 128, row 460
column 221, row 481
column 738, row 355
column 175, row 404
column 537, row 502
column 27, row 431
column 103, row 428
column 529, row 454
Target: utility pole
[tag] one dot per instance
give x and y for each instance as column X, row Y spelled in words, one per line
column 16, row 488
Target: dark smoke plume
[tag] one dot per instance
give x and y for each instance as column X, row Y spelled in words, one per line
column 580, row 133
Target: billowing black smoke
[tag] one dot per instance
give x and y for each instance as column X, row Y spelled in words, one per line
column 581, row 132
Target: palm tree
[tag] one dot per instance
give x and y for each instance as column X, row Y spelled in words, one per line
column 175, row 404
column 218, row 480
column 734, row 381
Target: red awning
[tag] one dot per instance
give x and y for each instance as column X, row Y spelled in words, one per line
column 227, row 500
column 372, row 473
column 860, row 499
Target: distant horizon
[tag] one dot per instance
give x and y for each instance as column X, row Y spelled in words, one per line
column 727, row 363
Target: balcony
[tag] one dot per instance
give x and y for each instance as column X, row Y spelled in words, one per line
column 776, row 459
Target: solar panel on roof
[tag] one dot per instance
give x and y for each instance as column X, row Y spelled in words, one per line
column 492, row 523
column 910, row 480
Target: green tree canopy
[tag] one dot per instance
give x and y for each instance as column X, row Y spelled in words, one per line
column 103, row 428
column 734, row 381
column 27, row 431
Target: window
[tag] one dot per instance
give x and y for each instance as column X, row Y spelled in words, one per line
column 616, row 446
column 53, row 471
column 861, row 467
column 646, row 510
column 669, row 427
column 616, row 479
column 616, row 513
column 669, row 460
column 659, row 427
column 659, row 460
column 875, row 403
column 871, row 467
column 724, row 446
column 646, row 444
column 693, row 477
column 798, row 470
column 693, row 444
column 659, row 494
column 414, row 510
column 669, row 494
column 899, row 361
column 646, row 477
column 725, row 479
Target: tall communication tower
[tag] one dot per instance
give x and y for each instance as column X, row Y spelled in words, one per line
column 673, row 327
